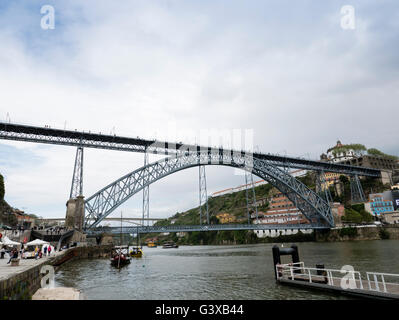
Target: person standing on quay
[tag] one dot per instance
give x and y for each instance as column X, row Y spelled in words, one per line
column 13, row 255
column 49, row 250
column 45, row 250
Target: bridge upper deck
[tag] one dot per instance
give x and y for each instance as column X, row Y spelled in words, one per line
column 18, row 132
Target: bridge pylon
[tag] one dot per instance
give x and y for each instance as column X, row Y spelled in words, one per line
column 322, row 187
column 251, row 200
column 203, row 194
column 76, row 205
column 357, row 194
column 77, row 178
column 146, row 193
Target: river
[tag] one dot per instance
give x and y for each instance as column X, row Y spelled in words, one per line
column 219, row 272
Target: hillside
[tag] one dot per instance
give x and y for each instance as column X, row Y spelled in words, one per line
column 235, row 204
column 5, row 208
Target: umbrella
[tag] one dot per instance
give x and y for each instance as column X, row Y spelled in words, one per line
column 7, row 242
column 36, row 242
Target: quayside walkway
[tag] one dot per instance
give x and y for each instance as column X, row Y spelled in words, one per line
column 8, row 271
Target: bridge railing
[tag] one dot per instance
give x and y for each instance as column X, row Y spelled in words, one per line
column 190, row 228
column 374, row 281
column 377, row 281
column 332, row 277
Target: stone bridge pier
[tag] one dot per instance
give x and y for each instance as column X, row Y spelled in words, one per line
column 75, row 213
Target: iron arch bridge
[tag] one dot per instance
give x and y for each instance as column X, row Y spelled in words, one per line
column 272, row 168
column 316, row 209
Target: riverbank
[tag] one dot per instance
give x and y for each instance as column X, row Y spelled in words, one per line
column 361, row 232
column 358, row 233
column 21, row 282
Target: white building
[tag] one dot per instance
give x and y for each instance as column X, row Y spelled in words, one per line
column 283, row 232
column 341, row 152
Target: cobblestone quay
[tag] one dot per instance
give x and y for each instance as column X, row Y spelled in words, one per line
column 22, row 281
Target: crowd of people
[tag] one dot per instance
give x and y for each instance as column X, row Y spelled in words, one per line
column 47, row 250
column 55, row 230
column 52, row 230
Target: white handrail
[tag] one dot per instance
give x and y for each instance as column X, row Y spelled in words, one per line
column 379, row 278
column 383, row 282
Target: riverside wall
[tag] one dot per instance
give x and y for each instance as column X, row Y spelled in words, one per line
column 362, row 233
column 23, row 284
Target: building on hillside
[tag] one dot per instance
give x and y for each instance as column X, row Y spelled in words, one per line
column 226, row 217
column 390, row 217
column 273, row 233
column 279, row 203
column 339, row 153
column 24, row 221
column 345, row 154
column 338, row 211
column 181, row 234
column 379, row 204
column 395, row 198
column 281, row 211
column 373, row 161
column 281, row 216
column 331, row 179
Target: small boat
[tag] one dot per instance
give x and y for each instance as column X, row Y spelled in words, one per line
column 119, row 260
column 119, row 254
column 136, row 252
column 151, row 245
column 168, row 245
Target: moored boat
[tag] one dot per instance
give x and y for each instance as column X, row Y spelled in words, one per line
column 136, row 252
column 120, row 254
column 170, row 244
column 119, row 260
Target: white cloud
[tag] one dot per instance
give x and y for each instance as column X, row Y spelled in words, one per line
column 293, row 76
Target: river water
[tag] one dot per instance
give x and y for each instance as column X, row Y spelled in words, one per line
column 219, row 272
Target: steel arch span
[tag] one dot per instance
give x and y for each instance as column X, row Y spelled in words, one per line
column 105, row 201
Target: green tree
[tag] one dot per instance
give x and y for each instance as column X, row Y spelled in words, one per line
column 376, row 152
column 352, row 216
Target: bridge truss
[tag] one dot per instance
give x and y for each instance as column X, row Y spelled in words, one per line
column 105, row 201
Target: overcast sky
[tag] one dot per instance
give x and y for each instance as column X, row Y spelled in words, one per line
column 287, row 70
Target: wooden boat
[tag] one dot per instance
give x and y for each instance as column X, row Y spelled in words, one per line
column 168, row 245
column 119, row 255
column 119, row 260
column 136, row 252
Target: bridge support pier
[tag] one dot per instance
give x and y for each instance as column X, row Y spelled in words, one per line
column 75, row 213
